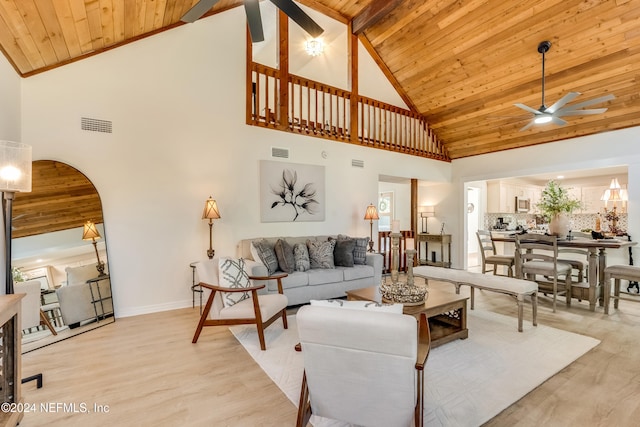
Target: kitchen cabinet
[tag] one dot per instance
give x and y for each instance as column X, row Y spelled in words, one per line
column 591, row 199
column 501, row 196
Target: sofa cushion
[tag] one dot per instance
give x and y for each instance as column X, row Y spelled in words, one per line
column 296, row 279
column 358, row 272
column 320, row 276
column 343, row 252
column 284, row 253
column 321, row 253
column 301, row 257
column 232, row 274
column 360, row 249
column 267, row 255
column 359, row 305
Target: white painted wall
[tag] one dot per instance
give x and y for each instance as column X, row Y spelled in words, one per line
column 10, row 105
column 177, row 105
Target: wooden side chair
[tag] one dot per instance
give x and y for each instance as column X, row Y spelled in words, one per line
column 490, row 259
column 233, row 299
column 362, row 367
column 537, row 259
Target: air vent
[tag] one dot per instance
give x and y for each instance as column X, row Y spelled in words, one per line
column 282, row 153
column 95, row 125
column 357, row 163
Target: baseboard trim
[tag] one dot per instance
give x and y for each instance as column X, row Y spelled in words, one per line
column 148, row 309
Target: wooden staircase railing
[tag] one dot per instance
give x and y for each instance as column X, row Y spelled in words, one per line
column 321, row 110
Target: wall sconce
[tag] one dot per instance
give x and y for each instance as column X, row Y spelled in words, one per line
column 90, row 232
column 314, row 47
column 426, row 212
column 371, row 214
column 210, row 212
column 15, row 176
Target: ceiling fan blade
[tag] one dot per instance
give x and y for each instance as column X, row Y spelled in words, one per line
column 587, row 103
column 298, row 16
column 527, row 108
column 562, row 101
column 196, row 12
column 527, row 126
column 254, row 20
column 583, row 112
column 558, row 121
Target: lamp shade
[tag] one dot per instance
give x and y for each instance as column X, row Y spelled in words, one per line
column 371, row 213
column 427, row 211
column 15, row 166
column 210, row 209
column 90, row 232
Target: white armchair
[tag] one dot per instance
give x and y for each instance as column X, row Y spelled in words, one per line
column 76, row 303
column 362, row 367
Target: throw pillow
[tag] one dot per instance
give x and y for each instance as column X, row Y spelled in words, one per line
column 360, row 250
column 267, row 255
column 343, row 253
column 359, row 305
column 232, row 274
column 284, row 253
column 321, row 253
column 301, row 257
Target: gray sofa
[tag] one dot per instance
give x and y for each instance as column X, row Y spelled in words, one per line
column 316, row 283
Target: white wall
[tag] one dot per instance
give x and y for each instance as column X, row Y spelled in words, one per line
column 177, row 105
column 10, row 105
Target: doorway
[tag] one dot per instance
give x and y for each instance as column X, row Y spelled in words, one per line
column 473, row 222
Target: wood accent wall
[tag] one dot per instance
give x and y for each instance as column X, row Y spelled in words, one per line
column 62, row 198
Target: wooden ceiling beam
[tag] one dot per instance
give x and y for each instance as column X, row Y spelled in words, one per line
column 373, row 13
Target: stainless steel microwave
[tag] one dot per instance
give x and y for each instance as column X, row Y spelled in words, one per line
column 522, row 205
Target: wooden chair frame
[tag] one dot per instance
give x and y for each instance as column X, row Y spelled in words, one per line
column 258, row 321
column 424, row 346
column 486, row 244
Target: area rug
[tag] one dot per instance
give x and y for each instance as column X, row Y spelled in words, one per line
column 468, row 382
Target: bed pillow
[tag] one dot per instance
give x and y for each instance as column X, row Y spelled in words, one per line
column 233, row 274
column 321, row 253
column 284, row 254
column 267, row 255
column 301, row 257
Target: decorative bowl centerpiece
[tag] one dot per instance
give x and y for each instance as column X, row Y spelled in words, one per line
column 403, row 293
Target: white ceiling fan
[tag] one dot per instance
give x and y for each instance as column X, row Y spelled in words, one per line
column 554, row 113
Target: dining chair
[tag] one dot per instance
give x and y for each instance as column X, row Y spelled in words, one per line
column 489, row 255
column 362, row 367
column 536, row 256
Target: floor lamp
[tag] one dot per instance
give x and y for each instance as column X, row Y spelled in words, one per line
column 371, row 214
column 90, row 232
column 210, row 212
column 15, row 176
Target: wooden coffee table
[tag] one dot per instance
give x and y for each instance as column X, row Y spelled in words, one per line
column 447, row 312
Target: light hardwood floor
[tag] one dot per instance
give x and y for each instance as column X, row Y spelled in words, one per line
column 147, row 372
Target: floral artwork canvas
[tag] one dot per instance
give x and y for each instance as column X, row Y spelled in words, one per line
column 291, row 192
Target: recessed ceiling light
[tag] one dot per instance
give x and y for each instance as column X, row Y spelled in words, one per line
column 560, row 176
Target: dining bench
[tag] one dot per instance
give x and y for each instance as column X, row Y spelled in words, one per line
column 517, row 288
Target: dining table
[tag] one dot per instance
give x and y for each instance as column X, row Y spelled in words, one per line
column 597, row 259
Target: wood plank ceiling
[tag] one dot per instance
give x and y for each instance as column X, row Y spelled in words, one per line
column 461, row 63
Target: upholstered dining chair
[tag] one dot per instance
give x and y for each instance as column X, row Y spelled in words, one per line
column 536, row 258
column 234, row 300
column 361, row 366
column 489, row 255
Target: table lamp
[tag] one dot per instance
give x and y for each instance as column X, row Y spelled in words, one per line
column 90, row 232
column 371, row 214
column 426, row 212
column 210, row 212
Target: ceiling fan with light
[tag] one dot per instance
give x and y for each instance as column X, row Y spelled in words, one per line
column 254, row 20
column 560, row 109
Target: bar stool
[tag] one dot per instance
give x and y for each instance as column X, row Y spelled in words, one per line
column 617, row 273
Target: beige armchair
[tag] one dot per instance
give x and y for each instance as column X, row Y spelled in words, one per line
column 261, row 310
column 76, row 302
column 362, row 367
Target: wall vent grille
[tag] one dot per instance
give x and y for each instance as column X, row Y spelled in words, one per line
column 282, row 153
column 95, row 125
column 357, row 163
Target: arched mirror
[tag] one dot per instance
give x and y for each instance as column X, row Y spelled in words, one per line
column 58, row 240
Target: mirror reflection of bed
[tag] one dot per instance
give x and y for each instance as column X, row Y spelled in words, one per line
column 59, row 241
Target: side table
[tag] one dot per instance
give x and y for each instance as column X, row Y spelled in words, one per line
column 98, row 299
column 443, row 240
column 195, row 287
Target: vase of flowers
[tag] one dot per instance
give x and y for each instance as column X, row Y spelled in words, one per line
column 556, row 204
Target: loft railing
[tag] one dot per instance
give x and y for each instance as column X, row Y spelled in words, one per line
column 325, row 111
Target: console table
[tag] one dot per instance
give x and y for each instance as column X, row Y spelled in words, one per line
column 98, row 300
column 443, row 240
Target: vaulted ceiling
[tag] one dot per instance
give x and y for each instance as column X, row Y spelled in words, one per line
column 460, row 63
